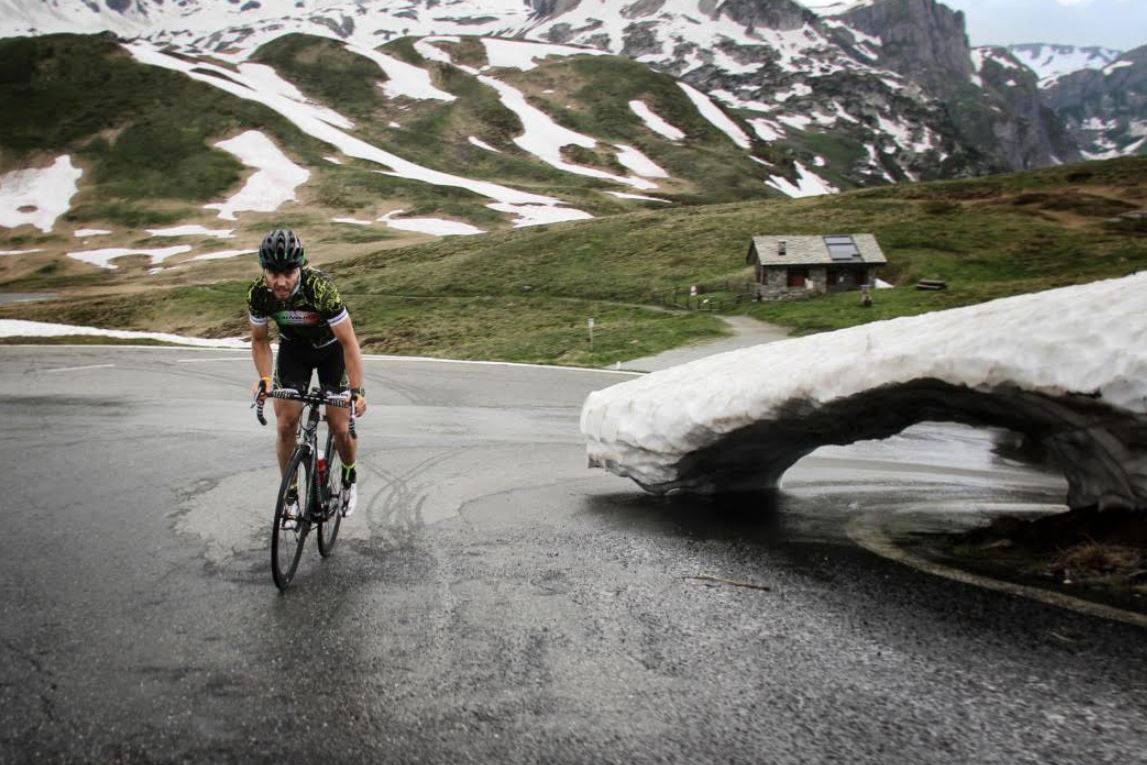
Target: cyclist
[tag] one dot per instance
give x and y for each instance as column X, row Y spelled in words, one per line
column 315, row 333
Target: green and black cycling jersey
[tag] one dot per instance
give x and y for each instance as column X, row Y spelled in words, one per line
column 307, row 315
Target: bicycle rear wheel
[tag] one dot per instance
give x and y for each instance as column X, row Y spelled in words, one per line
column 329, row 527
column 287, row 544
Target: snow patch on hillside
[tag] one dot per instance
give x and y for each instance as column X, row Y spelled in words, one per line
column 716, row 117
column 638, row 163
column 403, row 79
column 220, row 255
column 544, row 138
column 192, row 230
column 37, row 196
column 654, row 122
column 524, row 55
column 103, row 258
column 1049, row 62
column 482, row 144
column 808, row 184
column 275, row 180
column 82, row 233
column 435, row 226
column 540, row 215
column 623, row 195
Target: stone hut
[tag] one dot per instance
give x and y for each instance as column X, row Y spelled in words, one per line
column 793, row 266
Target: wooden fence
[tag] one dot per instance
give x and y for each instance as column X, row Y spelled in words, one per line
column 707, row 296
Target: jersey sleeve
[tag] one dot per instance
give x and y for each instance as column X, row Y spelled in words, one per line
column 256, row 311
column 328, row 302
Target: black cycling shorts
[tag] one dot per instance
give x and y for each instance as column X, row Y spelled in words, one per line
column 296, row 361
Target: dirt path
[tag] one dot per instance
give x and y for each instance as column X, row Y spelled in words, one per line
column 746, row 332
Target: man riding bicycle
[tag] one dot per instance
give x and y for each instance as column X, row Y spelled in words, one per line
column 315, row 333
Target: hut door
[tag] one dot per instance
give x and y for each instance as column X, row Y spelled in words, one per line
column 797, row 277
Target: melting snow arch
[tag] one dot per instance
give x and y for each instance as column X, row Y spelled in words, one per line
column 1067, row 368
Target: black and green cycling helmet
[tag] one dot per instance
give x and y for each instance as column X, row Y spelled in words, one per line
column 281, row 250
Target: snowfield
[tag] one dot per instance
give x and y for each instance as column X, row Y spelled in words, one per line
column 38, row 196
column 1089, row 339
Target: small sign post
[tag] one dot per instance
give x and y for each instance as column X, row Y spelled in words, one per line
column 589, row 324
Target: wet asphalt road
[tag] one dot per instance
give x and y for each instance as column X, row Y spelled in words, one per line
column 495, row 601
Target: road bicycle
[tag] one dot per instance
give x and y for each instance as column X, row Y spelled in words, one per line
column 316, row 475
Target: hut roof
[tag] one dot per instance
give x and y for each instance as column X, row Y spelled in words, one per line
column 838, row 249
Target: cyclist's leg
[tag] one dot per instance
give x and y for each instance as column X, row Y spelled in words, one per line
column 292, row 370
column 333, row 378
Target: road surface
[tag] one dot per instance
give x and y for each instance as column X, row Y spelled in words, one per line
column 494, row 600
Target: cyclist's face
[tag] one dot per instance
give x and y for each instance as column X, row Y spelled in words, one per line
column 282, row 283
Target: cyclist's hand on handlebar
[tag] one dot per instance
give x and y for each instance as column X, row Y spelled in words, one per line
column 260, row 389
column 358, row 401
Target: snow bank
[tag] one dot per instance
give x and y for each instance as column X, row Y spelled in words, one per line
column 654, row 121
column 103, row 258
column 38, row 196
column 21, row 252
column 274, row 182
column 716, row 117
column 1089, row 339
column 86, row 232
column 21, row 328
column 436, row 226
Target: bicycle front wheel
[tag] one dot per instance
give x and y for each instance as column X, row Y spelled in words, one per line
column 329, row 527
column 287, row 543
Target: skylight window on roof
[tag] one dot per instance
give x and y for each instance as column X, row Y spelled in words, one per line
column 842, row 248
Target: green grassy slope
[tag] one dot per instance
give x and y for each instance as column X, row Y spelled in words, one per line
column 988, row 238
column 525, row 294
column 143, row 134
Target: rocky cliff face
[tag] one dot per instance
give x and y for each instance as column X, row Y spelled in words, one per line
column 920, row 39
column 993, row 101
column 1105, row 110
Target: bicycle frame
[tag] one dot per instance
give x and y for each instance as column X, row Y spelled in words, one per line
column 307, row 437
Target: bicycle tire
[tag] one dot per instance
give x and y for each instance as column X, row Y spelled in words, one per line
column 287, row 544
column 329, row 528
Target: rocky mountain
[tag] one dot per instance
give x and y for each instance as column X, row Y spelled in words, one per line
column 1105, row 109
column 993, row 101
column 808, row 97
